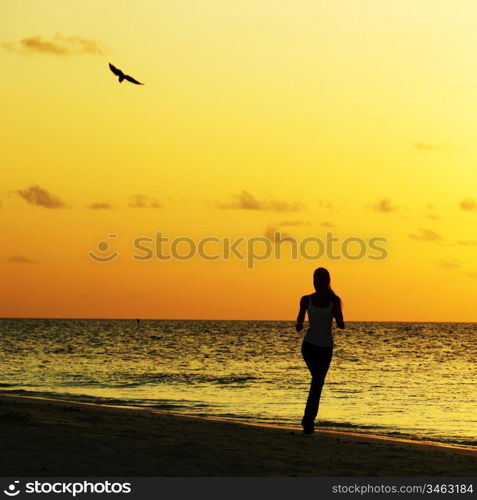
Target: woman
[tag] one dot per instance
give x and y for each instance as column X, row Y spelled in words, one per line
column 317, row 347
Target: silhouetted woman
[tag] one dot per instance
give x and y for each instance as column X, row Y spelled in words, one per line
column 317, row 347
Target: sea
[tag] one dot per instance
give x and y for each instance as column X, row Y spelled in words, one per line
column 412, row 380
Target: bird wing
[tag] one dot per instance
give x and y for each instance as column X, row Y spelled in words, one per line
column 132, row 80
column 115, row 70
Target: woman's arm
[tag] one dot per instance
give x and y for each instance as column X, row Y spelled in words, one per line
column 301, row 313
column 338, row 314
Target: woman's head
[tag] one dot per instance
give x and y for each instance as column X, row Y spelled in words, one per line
column 322, row 283
column 321, row 279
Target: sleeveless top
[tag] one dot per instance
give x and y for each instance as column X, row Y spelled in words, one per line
column 320, row 324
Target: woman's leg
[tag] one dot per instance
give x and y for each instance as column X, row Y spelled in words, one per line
column 318, row 360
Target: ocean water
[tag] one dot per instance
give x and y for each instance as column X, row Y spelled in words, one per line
column 415, row 380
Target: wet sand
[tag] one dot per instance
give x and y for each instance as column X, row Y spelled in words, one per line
column 41, row 437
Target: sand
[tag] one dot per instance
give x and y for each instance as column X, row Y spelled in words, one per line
column 41, row 437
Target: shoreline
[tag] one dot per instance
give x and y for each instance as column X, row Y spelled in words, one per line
column 328, row 429
column 51, row 437
column 333, row 432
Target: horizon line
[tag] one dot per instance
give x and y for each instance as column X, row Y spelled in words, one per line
column 221, row 319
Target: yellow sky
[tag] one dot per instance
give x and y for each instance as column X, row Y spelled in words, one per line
column 318, row 110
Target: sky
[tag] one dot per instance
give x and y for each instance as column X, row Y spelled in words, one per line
column 351, row 118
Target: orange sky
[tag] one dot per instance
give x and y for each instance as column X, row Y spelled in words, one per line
column 305, row 117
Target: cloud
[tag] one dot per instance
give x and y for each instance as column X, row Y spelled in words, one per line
column 275, row 235
column 58, row 45
column 100, row 206
column 142, row 201
column 467, row 243
column 35, row 195
column 424, row 146
column 449, row 264
column 21, row 259
column 247, row 201
column 426, row 235
column 469, row 204
column 327, row 224
column 294, row 223
column 243, row 200
column 326, row 204
column 385, row 206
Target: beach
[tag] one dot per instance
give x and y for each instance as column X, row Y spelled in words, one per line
column 47, row 437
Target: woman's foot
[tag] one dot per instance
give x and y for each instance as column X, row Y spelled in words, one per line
column 308, row 428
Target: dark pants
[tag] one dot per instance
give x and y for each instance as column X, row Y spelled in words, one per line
column 318, row 360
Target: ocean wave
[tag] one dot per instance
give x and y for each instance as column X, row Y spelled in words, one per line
column 470, row 442
column 181, row 378
column 182, row 405
column 349, row 425
column 140, row 380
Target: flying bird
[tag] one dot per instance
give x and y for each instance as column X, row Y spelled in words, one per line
column 121, row 76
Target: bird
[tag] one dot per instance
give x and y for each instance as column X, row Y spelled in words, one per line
column 121, row 76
